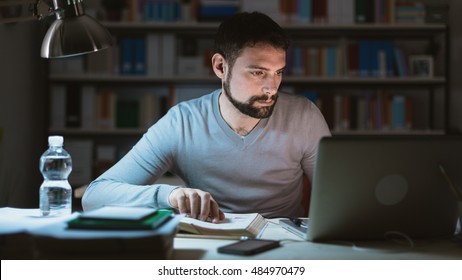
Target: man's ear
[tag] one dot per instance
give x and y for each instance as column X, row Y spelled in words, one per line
column 219, row 65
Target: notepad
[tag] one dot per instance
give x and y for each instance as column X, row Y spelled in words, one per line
column 121, row 218
column 119, row 213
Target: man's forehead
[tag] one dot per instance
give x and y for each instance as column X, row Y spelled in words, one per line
column 263, row 57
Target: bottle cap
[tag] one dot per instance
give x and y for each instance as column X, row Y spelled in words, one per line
column 55, row 140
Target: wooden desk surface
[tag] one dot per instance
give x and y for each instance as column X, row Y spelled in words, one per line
column 296, row 248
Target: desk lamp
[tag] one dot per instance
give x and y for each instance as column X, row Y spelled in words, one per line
column 72, row 33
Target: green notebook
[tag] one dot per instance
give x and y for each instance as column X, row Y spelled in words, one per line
column 115, row 219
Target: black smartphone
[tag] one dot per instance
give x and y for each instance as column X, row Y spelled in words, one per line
column 249, row 247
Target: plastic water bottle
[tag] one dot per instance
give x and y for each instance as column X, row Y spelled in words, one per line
column 55, row 191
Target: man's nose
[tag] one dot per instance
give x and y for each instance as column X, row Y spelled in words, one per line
column 271, row 85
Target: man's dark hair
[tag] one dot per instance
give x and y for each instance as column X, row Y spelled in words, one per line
column 246, row 30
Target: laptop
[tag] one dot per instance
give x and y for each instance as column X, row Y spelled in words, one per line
column 372, row 187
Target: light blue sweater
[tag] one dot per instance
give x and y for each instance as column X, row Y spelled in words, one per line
column 261, row 172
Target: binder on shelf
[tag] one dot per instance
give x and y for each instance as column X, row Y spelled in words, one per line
column 105, row 108
column 106, row 157
column 88, row 107
column 305, row 12
column 217, row 10
column 268, row 7
column 82, row 161
column 360, row 11
column 352, row 67
column 168, row 60
column 334, row 11
column 58, row 107
column 73, row 107
column 101, row 62
column 127, row 113
column 139, row 61
column 319, row 11
column 154, row 55
column 331, row 62
column 127, row 53
column 346, row 11
column 398, row 112
column 150, row 109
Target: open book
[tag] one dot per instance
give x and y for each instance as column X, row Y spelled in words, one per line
column 233, row 225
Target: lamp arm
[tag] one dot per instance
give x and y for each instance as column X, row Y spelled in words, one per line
column 37, row 9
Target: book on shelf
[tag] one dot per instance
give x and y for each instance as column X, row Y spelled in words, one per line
column 88, row 107
column 132, row 56
column 164, row 55
column 366, row 111
column 315, row 61
column 69, row 65
column 82, row 161
column 155, row 11
column 436, row 13
column 268, row 7
column 212, row 10
column 106, row 157
column 313, row 11
column 105, row 100
column 168, row 55
column 102, row 62
column 127, row 113
column 319, row 9
column 58, row 107
column 154, row 54
column 94, row 108
column 250, row 225
column 357, row 58
column 73, row 107
column 409, row 11
column 121, row 218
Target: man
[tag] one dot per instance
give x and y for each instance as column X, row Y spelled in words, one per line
column 243, row 148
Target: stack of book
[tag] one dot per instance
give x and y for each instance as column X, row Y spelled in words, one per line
column 106, row 233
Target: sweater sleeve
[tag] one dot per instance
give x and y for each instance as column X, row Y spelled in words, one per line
column 131, row 181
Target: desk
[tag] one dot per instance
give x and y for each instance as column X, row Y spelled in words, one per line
column 295, row 248
column 292, row 247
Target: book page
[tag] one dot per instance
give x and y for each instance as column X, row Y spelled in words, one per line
column 231, row 221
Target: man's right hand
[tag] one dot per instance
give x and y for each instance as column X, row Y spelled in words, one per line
column 197, row 204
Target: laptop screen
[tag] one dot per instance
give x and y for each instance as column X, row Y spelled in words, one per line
column 371, row 186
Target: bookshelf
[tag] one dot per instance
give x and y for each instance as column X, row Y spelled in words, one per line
column 334, row 92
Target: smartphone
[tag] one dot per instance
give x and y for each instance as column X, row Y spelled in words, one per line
column 249, row 247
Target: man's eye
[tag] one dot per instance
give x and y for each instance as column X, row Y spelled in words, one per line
column 257, row 73
column 279, row 73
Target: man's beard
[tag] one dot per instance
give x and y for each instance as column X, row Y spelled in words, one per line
column 247, row 108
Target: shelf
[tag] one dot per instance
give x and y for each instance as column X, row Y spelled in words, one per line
column 367, row 81
column 109, row 78
column 96, row 132
column 414, row 39
column 140, row 131
column 210, row 27
column 390, row 132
